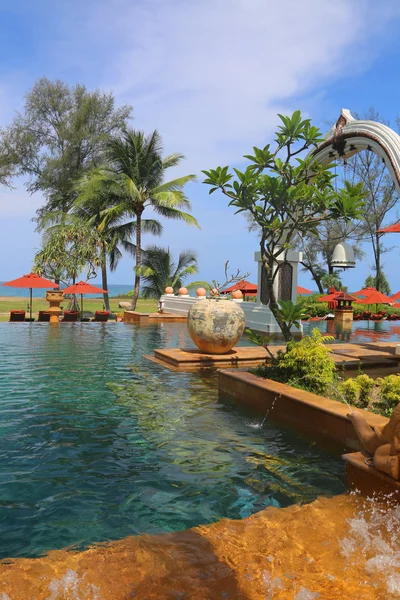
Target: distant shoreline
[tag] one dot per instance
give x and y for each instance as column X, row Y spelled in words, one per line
column 20, row 298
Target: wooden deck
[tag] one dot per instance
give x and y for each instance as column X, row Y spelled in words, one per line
column 133, row 316
column 377, row 358
column 191, row 359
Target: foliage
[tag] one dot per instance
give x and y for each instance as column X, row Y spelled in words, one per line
column 67, row 250
column 60, row 135
column 388, row 394
column 261, row 340
column 306, row 364
column 159, row 270
column 291, row 313
column 358, row 390
column 350, row 390
column 379, row 282
column 93, row 206
column 286, row 195
column 138, row 168
column 366, row 385
column 334, row 280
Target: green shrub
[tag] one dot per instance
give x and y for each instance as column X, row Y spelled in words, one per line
column 388, row 395
column 350, row 390
column 306, row 364
column 365, row 386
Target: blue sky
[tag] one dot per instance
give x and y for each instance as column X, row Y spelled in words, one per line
column 210, row 75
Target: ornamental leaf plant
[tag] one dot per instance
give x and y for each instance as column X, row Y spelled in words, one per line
column 286, row 192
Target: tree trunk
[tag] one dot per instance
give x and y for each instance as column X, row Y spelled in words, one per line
column 104, row 283
column 138, row 259
column 378, row 272
column 317, row 280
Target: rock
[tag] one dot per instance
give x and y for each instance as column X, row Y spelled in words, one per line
column 126, row 305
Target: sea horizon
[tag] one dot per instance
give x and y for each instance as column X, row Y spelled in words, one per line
column 114, row 289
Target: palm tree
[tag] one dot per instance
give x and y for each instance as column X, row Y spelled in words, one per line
column 137, row 166
column 159, row 270
column 95, row 206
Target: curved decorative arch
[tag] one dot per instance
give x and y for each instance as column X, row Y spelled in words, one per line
column 349, row 136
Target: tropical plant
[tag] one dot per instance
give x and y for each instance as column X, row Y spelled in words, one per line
column 68, row 249
column 94, row 206
column 332, row 280
column 306, row 364
column 138, row 167
column 286, row 197
column 291, row 313
column 158, row 270
column 388, row 395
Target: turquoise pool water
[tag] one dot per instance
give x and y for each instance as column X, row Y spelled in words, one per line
column 98, row 443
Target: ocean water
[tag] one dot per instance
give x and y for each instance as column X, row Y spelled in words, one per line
column 113, row 290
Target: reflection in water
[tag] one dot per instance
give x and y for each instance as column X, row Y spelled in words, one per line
column 99, row 443
column 360, row 332
column 342, row 548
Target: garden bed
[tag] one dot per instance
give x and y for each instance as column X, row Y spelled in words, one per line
column 322, row 417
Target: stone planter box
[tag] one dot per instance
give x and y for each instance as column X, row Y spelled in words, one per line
column 322, row 417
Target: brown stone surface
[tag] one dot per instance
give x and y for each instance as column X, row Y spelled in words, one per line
column 133, row 316
column 295, row 553
column 366, row 478
column 191, row 359
column 322, row 417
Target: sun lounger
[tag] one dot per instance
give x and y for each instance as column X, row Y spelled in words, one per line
column 101, row 316
column 44, row 316
column 17, row 316
column 70, row 316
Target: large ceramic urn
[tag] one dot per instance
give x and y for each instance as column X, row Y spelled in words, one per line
column 216, row 325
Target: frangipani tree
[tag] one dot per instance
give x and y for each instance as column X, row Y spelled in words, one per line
column 286, row 194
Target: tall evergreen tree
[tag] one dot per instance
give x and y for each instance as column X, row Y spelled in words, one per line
column 61, row 134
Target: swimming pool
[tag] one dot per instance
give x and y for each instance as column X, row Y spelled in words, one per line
column 98, row 443
column 360, row 333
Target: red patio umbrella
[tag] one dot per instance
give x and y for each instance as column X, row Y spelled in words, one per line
column 82, row 287
column 302, row 291
column 365, row 291
column 375, row 298
column 32, row 280
column 391, row 229
column 395, row 297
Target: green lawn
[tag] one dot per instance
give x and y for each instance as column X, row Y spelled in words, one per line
column 90, row 304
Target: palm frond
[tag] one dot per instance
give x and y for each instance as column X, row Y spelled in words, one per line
column 152, row 226
column 174, row 213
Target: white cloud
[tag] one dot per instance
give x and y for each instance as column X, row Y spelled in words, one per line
column 212, row 74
